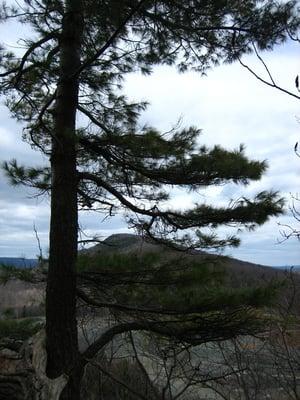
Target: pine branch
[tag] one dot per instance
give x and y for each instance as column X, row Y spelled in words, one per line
column 195, row 330
column 20, row 68
column 110, row 41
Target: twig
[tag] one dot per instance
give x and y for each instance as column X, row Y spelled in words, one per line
column 38, row 242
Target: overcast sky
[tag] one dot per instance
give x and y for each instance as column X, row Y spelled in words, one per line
column 231, row 107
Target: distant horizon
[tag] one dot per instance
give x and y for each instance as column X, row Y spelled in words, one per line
column 33, row 259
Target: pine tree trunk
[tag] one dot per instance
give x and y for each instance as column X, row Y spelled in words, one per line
column 61, row 326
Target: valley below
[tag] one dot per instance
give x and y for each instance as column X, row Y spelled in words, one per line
column 264, row 366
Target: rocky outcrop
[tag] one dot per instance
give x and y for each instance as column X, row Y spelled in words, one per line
column 22, row 373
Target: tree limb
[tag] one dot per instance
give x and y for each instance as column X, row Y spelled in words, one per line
column 29, row 51
column 87, row 63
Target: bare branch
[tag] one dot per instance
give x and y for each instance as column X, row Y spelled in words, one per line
column 117, row 380
column 264, row 64
column 271, row 84
column 38, row 242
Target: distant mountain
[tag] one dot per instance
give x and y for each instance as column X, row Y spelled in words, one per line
column 241, row 272
column 122, row 243
column 238, row 273
column 19, row 262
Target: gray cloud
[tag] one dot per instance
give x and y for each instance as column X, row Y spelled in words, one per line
column 230, row 106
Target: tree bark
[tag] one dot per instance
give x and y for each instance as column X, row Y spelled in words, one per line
column 61, row 324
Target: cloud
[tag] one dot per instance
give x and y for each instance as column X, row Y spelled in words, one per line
column 230, row 106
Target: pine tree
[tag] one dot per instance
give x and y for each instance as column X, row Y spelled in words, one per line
column 72, row 65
